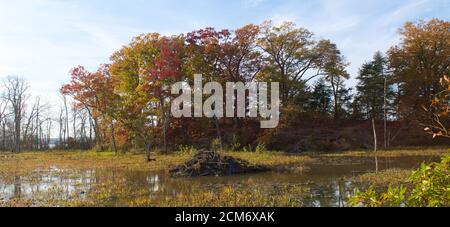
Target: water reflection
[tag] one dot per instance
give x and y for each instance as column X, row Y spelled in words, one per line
column 326, row 185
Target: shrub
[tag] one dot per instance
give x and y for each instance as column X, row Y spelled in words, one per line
column 261, row 148
column 429, row 186
column 235, row 145
column 247, row 149
column 188, row 150
column 216, row 144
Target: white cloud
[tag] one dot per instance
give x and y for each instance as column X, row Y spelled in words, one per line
column 42, row 40
column 404, row 12
column 252, row 3
column 101, row 37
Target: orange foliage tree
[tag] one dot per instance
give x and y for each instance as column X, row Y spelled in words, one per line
column 94, row 92
column 418, row 64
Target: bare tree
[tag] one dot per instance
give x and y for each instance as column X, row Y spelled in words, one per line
column 29, row 125
column 34, row 130
column 74, row 124
column 15, row 93
column 66, row 125
column 61, row 126
column 3, row 106
column 83, row 116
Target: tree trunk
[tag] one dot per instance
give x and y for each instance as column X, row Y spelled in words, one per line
column 74, row 127
column 90, row 132
column 147, row 147
column 335, row 87
column 98, row 136
column 374, row 135
column 66, row 124
column 4, row 136
column 375, row 143
column 164, row 119
column 219, row 134
column 17, row 121
column 38, row 128
column 60, row 132
column 113, row 137
column 385, row 113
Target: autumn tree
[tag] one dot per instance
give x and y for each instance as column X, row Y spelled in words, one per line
column 239, row 57
column 206, row 56
column 143, row 72
column 225, row 56
column 93, row 92
column 419, row 63
column 335, row 71
column 293, row 58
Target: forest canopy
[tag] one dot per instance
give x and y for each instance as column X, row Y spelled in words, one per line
column 125, row 104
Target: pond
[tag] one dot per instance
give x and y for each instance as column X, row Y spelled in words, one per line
column 318, row 185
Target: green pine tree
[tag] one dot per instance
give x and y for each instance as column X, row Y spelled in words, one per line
column 321, row 98
column 374, row 89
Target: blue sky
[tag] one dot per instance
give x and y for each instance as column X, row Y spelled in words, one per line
column 42, row 40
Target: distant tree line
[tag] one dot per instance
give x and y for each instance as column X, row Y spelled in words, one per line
column 125, row 104
column 27, row 123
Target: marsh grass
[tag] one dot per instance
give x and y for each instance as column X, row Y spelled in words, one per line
column 27, row 162
column 115, row 189
column 229, row 196
column 411, row 152
column 68, row 179
column 391, row 177
column 352, row 157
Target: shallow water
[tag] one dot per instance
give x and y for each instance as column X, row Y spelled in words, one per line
column 325, row 185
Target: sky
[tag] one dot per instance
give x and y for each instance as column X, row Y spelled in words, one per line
column 41, row 40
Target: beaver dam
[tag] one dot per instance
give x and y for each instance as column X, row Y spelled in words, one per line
column 209, row 163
